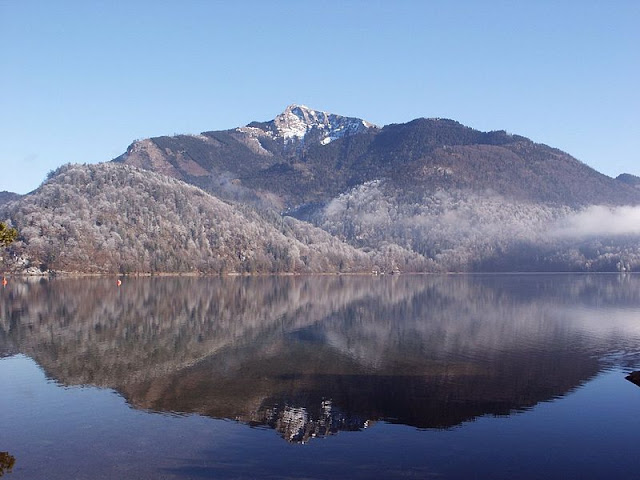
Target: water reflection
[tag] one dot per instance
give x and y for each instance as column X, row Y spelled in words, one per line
column 310, row 356
column 300, row 424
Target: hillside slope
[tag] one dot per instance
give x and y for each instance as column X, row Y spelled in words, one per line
column 111, row 218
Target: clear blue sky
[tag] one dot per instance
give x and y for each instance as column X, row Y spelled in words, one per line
column 80, row 80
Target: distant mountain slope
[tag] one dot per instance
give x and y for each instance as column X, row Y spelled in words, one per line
column 116, row 218
column 309, row 157
column 430, row 194
column 235, row 164
column 442, row 153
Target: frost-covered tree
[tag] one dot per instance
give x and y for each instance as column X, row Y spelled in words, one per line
column 113, row 218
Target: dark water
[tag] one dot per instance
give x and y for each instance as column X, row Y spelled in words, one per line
column 454, row 377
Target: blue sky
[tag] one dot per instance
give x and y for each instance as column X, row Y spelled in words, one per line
column 80, row 80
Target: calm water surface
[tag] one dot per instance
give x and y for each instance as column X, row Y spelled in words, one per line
column 448, row 377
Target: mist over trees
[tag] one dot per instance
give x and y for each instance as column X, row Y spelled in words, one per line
column 461, row 230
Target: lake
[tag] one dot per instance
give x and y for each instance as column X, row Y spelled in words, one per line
column 434, row 376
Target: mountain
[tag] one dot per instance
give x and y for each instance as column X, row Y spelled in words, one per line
column 459, row 198
column 234, row 164
column 311, row 191
column 304, row 157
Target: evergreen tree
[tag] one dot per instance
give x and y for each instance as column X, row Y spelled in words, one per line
column 7, row 235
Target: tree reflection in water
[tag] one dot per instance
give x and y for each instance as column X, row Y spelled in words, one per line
column 310, row 356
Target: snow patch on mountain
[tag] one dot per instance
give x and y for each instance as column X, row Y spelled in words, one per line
column 298, row 121
column 251, row 138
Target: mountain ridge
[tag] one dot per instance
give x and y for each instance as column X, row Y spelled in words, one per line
column 261, row 163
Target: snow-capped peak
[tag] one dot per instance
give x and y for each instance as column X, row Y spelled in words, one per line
column 297, row 121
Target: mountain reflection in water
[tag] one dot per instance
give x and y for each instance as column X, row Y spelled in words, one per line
column 311, row 356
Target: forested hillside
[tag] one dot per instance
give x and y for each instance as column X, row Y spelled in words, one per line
column 459, row 230
column 111, row 218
